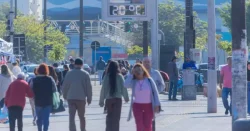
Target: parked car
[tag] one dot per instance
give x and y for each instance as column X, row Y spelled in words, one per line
column 29, row 70
column 202, row 66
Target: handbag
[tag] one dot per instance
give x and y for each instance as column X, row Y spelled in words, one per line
column 56, row 100
column 61, row 108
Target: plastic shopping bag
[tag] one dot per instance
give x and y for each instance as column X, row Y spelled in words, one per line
column 4, row 115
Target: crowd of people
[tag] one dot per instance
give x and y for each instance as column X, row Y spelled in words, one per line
column 74, row 86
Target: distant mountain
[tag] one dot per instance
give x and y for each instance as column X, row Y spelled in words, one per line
column 60, row 2
column 70, row 4
column 89, row 13
column 217, row 2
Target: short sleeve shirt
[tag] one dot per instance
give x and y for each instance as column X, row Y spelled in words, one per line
column 226, row 72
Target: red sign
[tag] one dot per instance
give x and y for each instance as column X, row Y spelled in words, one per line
column 119, row 55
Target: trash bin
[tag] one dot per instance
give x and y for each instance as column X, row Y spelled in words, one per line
column 189, row 90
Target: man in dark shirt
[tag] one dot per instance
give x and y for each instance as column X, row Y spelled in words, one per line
column 173, row 75
column 100, row 67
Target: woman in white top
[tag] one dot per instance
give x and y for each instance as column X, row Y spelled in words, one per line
column 16, row 69
column 6, row 78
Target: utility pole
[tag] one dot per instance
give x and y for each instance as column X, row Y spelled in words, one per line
column 145, row 38
column 11, row 16
column 239, row 60
column 81, row 30
column 154, row 37
column 212, row 73
column 189, row 35
column 45, row 28
column 15, row 9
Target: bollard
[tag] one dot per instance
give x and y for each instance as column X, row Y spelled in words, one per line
column 241, row 125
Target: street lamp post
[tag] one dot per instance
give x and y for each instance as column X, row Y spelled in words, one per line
column 154, row 36
column 163, row 36
column 15, row 8
column 81, row 30
column 145, row 38
column 212, row 73
column 45, row 28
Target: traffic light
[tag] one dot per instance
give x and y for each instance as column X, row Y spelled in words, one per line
column 128, row 27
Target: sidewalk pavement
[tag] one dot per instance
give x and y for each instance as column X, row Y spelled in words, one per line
column 177, row 116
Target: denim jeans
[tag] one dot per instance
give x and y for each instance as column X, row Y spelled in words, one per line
column 225, row 92
column 173, row 89
column 43, row 114
column 100, row 73
column 248, row 96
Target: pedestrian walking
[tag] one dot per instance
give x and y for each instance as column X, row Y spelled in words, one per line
column 77, row 89
column 248, row 85
column 144, row 100
column 104, row 73
column 226, row 85
column 155, row 75
column 59, row 77
column 112, row 91
column 6, row 78
column 72, row 64
column 32, row 100
column 15, row 101
column 66, row 69
column 173, row 75
column 53, row 74
column 43, row 87
column 100, row 67
column 16, row 69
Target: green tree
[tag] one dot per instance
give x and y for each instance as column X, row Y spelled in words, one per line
column 4, row 11
column 34, row 33
column 225, row 13
column 172, row 23
column 2, row 29
column 136, row 51
column 57, row 53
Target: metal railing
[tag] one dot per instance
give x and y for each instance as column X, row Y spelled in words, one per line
column 111, row 30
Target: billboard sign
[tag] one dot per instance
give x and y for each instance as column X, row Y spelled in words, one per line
column 126, row 10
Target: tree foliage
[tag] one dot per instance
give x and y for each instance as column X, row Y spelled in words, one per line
column 172, row 23
column 34, row 33
column 224, row 45
column 225, row 13
column 137, row 50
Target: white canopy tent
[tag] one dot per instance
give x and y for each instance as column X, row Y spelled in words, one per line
column 6, row 49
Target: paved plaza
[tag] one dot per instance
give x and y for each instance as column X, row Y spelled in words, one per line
column 177, row 116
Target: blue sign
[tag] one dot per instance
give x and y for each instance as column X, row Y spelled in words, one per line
column 105, row 52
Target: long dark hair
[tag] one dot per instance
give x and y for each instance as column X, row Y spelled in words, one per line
column 52, row 73
column 113, row 70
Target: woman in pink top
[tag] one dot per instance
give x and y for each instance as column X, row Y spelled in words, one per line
column 145, row 100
